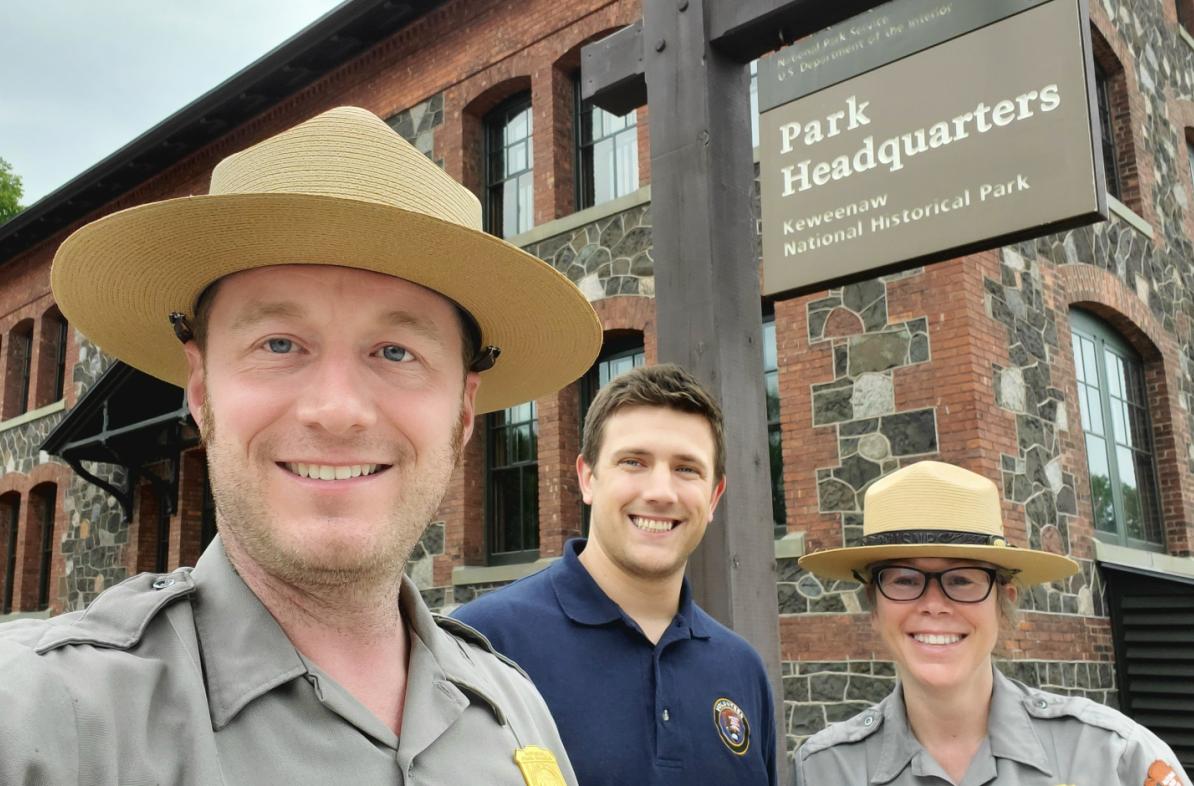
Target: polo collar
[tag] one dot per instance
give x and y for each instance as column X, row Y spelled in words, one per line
column 1010, row 733
column 585, row 603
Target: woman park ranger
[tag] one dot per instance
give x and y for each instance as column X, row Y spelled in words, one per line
column 941, row 578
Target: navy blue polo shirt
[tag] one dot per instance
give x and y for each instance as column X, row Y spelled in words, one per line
column 695, row 708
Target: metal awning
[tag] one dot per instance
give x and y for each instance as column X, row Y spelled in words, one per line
column 131, row 420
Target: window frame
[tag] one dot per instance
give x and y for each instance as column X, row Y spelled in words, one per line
column 10, row 566
column 493, row 132
column 1110, row 151
column 47, row 498
column 523, row 468
column 586, row 172
column 779, row 503
column 1106, row 340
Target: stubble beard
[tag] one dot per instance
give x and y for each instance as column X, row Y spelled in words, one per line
column 248, row 526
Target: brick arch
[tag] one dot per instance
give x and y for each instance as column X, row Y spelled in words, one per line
column 630, row 312
column 1107, row 297
column 461, row 143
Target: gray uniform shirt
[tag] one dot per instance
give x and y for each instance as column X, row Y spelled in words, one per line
column 1034, row 738
column 187, row 679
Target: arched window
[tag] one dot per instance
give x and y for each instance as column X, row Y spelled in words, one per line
column 20, row 366
column 1115, row 123
column 10, row 517
column 51, row 375
column 42, row 499
column 1118, row 433
column 509, row 179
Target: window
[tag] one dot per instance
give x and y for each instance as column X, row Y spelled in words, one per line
column 509, row 186
column 10, row 515
column 20, row 366
column 1115, row 422
column 1190, row 157
column 43, row 498
column 53, row 346
column 754, row 103
column 607, row 154
column 1185, row 13
column 513, row 487
column 779, row 511
column 1107, row 131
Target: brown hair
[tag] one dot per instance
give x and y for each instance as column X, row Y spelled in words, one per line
column 665, row 385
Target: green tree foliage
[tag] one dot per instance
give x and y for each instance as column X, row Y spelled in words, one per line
column 10, row 192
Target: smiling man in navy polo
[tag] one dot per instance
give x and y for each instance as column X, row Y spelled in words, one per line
column 646, row 688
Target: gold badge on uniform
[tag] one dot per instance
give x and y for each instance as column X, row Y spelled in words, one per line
column 539, row 767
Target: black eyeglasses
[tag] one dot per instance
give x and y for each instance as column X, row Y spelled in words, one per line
column 961, row 585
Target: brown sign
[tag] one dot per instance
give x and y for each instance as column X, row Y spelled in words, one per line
column 979, row 141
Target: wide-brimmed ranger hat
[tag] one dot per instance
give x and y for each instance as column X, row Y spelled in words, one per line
column 340, row 189
column 932, row 509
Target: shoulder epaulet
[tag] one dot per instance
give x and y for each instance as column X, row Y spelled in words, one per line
column 119, row 616
column 1045, row 705
column 466, row 632
column 861, row 726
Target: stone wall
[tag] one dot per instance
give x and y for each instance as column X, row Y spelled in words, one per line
column 610, row 256
column 418, row 123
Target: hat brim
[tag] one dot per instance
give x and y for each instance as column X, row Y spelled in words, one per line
column 1031, row 566
column 118, row 278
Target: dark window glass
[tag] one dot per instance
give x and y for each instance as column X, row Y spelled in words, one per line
column 607, row 153
column 46, row 499
column 1107, row 129
column 513, row 499
column 1118, row 434
column 22, row 346
column 10, row 514
column 509, row 185
column 60, row 360
column 779, row 511
column 1190, row 158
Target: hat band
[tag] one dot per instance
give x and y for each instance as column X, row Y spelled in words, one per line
column 933, row 537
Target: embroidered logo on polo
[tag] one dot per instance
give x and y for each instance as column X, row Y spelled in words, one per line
column 732, row 726
column 1161, row 774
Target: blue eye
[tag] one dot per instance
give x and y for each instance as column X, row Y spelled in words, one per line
column 280, row 346
column 395, row 353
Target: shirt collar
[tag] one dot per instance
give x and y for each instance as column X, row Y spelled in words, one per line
column 1009, row 732
column 245, row 652
column 585, row 603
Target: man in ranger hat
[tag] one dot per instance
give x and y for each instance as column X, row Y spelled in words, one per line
column 941, row 578
column 335, row 315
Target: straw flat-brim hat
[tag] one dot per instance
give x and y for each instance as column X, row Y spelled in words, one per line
column 932, row 509
column 340, row 189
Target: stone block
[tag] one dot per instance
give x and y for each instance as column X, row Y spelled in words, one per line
column 874, row 395
column 878, row 352
column 828, row 687
column 910, row 433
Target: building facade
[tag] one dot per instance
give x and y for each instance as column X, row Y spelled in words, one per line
column 1060, row 368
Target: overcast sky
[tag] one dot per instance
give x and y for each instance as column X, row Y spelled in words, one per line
column 84, row 77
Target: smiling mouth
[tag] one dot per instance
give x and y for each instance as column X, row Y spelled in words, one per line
column 648, row 524
column 937, row 639
column 332, row 471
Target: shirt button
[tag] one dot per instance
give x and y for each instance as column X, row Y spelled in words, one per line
column 163, row 582
column 667, row 716
column 868, row 720
column 1042, row 703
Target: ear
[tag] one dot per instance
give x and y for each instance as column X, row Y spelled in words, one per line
column 718, row 490
column 196, row 384
column 584, row 476
column 468, row 405
column 1013, row 592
